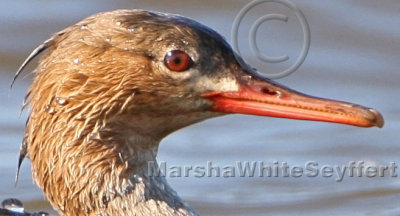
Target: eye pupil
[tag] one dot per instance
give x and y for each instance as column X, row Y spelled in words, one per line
column 177, row 60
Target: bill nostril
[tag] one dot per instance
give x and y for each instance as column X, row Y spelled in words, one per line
column 266, row 90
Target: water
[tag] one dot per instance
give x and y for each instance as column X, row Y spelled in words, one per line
column 353, row 56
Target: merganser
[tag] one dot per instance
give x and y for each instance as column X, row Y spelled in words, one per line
column 108, row 89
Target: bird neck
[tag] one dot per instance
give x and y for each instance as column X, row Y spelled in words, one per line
column 109, row 171
column 143, row 190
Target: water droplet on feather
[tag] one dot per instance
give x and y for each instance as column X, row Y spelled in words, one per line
column 61, row 101
column 49, row 109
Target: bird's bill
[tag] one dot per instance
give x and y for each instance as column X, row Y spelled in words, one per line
column 266, row 98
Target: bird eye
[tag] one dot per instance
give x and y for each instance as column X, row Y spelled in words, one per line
column 177, row 60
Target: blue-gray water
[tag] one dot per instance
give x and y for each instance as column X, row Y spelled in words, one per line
column 354, row 56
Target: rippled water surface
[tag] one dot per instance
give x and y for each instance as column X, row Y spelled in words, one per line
column 354, row 56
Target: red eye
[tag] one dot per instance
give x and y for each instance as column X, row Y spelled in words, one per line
column 177, row 60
